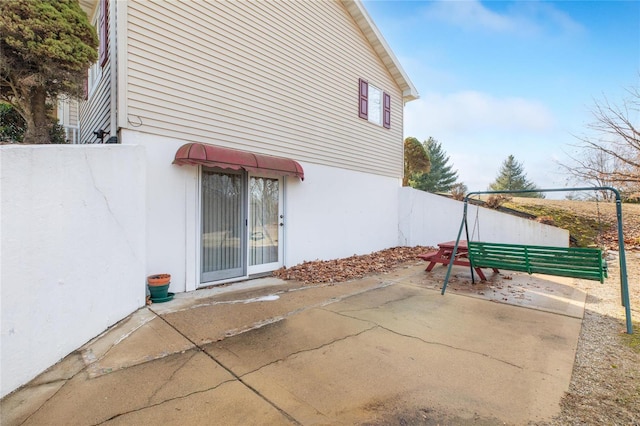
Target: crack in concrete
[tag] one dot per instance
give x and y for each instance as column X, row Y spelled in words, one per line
column 272, row 320
column 115, row 416
column 388, row 302
column 450, row 347
column 236, row 377
column 84, row 368
column 166, row 382
column 290, row 290
column 324, row 345
column 428, row 342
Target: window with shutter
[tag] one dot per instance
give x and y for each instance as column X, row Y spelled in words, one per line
column 103, row 32
column 374, row 105
column 94, row 74
column 386, row 110
column 363, row 109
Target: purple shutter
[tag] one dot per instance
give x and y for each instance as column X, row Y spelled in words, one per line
column 103, row 32
column 386, row 110
column 363, row 93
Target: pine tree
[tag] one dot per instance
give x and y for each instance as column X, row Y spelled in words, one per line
column 416, row 161
column 441, row 177
column 512, row 178
column 46, row 48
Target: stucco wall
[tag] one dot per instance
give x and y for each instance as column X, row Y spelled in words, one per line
column 337, row 213
column 427, row 219
column 172, row 218
column 72, row 251
column 333, row 213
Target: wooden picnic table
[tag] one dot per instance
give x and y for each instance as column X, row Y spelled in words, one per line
column 443, row 256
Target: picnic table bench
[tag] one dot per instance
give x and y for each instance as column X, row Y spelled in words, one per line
column 443, row 256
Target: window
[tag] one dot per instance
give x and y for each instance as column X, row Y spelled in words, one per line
column 95, row 71
column 374, row 105
column 103, row 32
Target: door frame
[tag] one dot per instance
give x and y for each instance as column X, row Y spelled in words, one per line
column 272, row 266
column 248, row 270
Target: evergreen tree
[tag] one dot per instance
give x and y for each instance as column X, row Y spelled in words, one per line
column 416, row 161
column 441, row 177
column 13, row 126
column 513, row 178
column 46, row 48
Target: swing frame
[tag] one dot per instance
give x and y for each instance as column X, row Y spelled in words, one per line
column 624, row 286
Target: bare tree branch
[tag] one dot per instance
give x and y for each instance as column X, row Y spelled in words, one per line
column 612, row 157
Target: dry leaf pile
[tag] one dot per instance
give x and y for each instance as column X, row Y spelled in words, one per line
column 337, row 270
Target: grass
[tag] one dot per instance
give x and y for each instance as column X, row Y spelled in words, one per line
column 585, row 230
column 633, row 340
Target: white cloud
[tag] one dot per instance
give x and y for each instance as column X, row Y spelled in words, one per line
column 470, row 112
column 468, row 14
column 522, row 17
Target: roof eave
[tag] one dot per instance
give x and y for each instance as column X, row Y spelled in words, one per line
column 360, row 15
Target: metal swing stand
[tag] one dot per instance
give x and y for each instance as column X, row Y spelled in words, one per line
column 624, row 286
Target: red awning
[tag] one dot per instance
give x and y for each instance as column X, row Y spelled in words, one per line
column 227, row 158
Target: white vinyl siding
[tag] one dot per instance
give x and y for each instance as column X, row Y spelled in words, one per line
column 95, row 112
column 278, row 78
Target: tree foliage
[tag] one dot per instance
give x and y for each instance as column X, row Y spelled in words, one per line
column 612, row 156
column 512, row 178
column 13, row 126
column 441, row 177
column 46, row 48
column 416, row 161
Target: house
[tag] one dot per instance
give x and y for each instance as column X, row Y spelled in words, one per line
column 238, row 137
column 273, row 130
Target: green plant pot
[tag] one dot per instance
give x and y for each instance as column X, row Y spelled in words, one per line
column 159, row 292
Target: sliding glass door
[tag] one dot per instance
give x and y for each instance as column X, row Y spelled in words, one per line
column 242, row 225
column 265, row 224
column 223, row 225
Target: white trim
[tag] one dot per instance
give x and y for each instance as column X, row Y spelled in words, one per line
column 193, row 232
column 266, row 267
column 94, row 73
column 122, row 63
column 360, row 15
column 111, row 24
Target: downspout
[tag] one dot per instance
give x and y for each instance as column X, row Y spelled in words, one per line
column 113, row 70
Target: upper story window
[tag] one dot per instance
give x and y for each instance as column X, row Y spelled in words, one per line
column 103, row 32
column 375, row 105
column 99, row 21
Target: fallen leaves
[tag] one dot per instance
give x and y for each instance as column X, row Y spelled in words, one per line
column 356, row 266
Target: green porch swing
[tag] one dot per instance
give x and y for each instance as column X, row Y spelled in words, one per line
column 577, row 262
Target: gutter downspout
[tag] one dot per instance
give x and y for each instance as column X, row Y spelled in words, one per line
column 113, row 69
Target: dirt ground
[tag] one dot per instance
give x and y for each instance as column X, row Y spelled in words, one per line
column 601, row 212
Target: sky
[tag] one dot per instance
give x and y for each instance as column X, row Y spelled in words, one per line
column 521, row 78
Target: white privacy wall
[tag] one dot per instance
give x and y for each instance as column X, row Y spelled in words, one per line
column 337, row 213
column 428, row 219
column 172, row 211
column 72, row 250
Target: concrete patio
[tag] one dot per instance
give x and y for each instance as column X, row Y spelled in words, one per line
column 385, row 349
